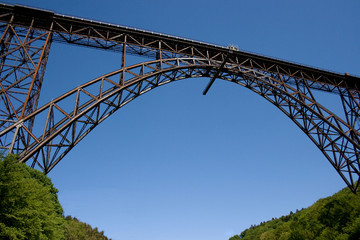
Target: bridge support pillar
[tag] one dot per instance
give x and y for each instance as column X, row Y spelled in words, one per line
column 23, row 57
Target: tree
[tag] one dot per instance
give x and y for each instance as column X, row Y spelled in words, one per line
column 77, row 230
column 29, row 208
column 336, row 217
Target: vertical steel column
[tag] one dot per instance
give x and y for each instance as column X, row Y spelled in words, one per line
column 123, row 62
column 159, row 64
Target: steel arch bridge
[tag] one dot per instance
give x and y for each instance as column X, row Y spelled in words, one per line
column 43, row 136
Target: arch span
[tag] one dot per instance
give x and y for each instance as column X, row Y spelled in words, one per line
column 65, row 121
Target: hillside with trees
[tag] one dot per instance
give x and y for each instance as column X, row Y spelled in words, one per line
column 29, row 207
column 336, row 217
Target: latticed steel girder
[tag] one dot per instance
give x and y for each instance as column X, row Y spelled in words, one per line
column 23, row 54
column 44, row 136
column 65, row 121
column 112, row 37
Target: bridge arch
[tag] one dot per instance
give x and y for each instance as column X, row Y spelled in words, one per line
column 65, row 121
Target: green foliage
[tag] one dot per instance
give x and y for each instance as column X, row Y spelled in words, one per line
column 332, row 218
column 76, row 230
column 29, row 208
column 236, row 237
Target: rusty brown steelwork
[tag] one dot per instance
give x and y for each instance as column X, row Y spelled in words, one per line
column 27, row 35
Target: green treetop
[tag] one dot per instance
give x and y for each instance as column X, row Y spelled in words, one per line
column 29, row 208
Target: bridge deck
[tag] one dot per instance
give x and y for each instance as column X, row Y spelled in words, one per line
column 112, row 37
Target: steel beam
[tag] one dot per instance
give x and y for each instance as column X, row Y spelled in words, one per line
column 111, row 37
column 217, row 73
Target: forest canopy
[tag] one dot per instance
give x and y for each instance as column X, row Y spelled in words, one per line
column 29, row 207
column 336, row 217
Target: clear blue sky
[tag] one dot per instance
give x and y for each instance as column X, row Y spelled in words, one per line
column 175, row 164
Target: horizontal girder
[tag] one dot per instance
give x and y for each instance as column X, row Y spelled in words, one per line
column 112, row 37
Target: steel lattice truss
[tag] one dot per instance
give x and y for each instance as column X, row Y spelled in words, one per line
column 22, row 66
column 43, row 136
